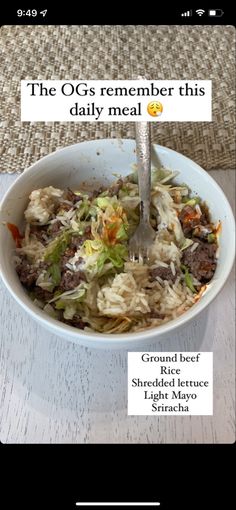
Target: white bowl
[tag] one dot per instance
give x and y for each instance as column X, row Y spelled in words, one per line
column 95, row 162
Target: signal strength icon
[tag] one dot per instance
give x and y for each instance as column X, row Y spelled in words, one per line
column 200, row 12
column 186, row 13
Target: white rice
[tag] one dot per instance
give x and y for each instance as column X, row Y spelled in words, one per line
column 164, row 250
column 172, row 266
column 42, row 204
column 198, row 209
column 124, row 296
column 194, row 247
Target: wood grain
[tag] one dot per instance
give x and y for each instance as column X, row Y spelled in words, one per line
column 53, row 391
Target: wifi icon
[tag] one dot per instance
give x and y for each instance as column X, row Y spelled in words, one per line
column 200, row 12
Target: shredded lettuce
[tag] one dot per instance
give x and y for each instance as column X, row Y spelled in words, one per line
column 50, row 311
column 110, row 226
column 45, row 281
column 187, row 242
column 133, row 177
column 69, row 303
column 76, row 294
column 211, row 238
column 82, row 194
column 93, row 211
column 83, row 210
column 55, row 273
column 100, row 256
column 191, row 201
column 56, row 248
column 161, row 175
column 124, row 191
column 69, row 300
column 118, row 176
column 103, row 202
column 91, row 246
column 103, row 193
column 130, row 202
column 188, row 278
column 121, row 234
column 69, row 311
column 115, row 254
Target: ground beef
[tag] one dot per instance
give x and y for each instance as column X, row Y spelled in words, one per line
column 55, row 227
column 201, row 262
column 70, row 280
column 95, row 193
column 40, row 233
column 156, row 315
column 69, row 253
column 189, row 219
column 202, row 231
column 163, row 272
column 76, row 322
column 63, row 206
column 42, row 294
column 77, row 241
column 71, row 196
column 205, row 218
column 100, row 190
column 92, row 193
column 27, row 273
column 115, row 188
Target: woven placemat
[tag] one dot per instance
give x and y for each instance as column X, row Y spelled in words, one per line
column 117, row 52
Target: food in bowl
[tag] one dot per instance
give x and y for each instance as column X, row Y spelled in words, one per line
column 73, row 256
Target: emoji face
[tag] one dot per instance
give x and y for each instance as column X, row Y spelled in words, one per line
column 155, row 108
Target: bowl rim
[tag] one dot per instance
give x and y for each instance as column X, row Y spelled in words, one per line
column 119, row 338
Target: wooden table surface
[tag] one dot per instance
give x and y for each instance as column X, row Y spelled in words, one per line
column 53, row 391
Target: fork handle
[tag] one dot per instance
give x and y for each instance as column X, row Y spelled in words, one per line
column 143, row 148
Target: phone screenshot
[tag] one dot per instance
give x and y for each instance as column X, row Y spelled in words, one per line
column 117, row 246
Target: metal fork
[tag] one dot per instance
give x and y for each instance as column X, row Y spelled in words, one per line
column 142, row 239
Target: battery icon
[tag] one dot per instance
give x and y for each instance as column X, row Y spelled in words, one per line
column 215, row 12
